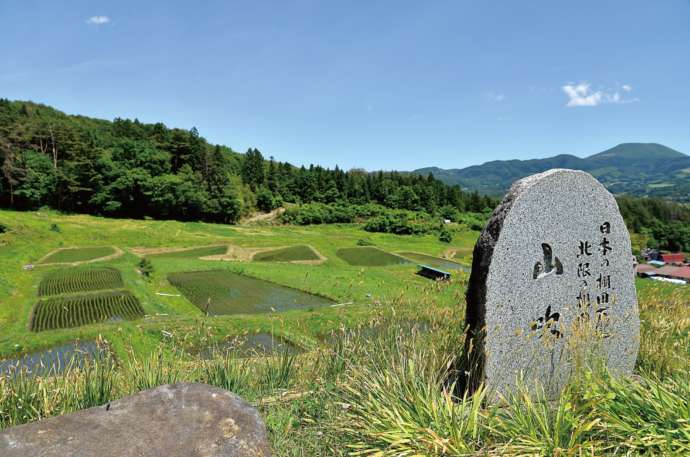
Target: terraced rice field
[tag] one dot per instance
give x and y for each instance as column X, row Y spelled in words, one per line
column 193, row 253
column 435, row 262
column 219, row 292
column 66, row 312
column 289, row 254
column 72, row 255
column 369, row 257
column 75, row 280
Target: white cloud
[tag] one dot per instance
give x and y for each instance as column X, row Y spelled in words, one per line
column 581, row 94
column 495, row 97
column 98, row 20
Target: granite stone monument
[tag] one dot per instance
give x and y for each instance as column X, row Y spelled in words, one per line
column 552, row 287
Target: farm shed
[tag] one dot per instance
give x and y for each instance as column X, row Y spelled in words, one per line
column 433, row 273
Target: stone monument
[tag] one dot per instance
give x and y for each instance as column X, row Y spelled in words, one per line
column 552, row 286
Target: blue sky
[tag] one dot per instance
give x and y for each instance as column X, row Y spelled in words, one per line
column 373, row 84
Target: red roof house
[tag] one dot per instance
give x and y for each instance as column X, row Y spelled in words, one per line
column 677, row 257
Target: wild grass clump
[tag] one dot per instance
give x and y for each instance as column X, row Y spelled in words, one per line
column 664, row 331
column 651, row 416
column 527, row 422
column 24, row 398
column 227, row 372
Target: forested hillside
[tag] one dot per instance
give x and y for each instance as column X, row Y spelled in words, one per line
column 639, row 169
column 664, row 224
column 126, row 168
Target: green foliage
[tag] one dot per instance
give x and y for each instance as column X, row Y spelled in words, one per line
column 75, row 311
column 85, row 254
column 265, row 200
column 73, row 280
column 400, row 223
column 4, row 228
column 363, row 242
column 666, row 224
column 445, row 236
column 253, row 168
column 321, row 213
column 146, row 267
column 474, row 221
column 55, row 228
column 126, row 168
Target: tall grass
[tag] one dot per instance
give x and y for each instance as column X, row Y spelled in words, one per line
column 651, row 416
column 24, row 398
column 382, row 390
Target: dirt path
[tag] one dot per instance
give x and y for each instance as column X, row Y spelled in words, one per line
column 263, row 217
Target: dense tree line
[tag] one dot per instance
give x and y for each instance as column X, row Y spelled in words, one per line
column 665, row 223
column 126, row 168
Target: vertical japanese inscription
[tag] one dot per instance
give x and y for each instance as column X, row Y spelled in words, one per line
column 596, row 311
column 555, row 253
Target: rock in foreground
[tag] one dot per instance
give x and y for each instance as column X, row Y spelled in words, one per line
column 180, row 420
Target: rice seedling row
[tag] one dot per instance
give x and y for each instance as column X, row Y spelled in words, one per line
column 74, row 280
column 66, row 312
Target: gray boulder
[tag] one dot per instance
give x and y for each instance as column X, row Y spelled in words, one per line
column 179, row 420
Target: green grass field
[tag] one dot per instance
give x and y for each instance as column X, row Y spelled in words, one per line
column 75, row 311
column 370, row 257
column 289, row 254
column 74, row 280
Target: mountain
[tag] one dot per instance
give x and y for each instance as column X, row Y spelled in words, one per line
column 641, row 169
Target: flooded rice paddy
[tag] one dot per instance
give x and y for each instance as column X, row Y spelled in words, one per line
column 221, row 292
column 51, row 361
